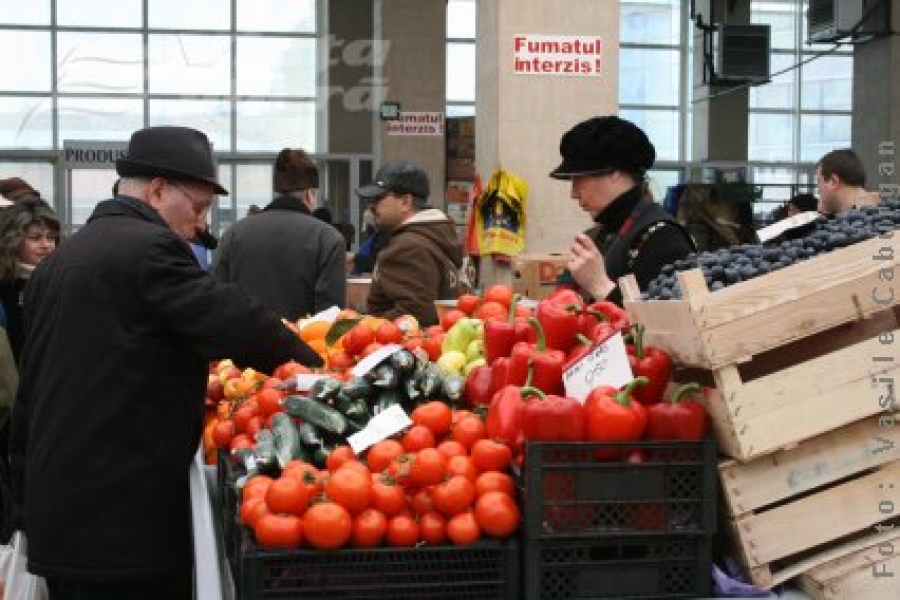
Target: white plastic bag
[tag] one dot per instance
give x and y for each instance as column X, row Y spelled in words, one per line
column 17, row 583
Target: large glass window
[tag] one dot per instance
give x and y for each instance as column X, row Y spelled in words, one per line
column 461, row 59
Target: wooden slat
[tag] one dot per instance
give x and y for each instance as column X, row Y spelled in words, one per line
column 802, row 401
column 862, row 560
column 822, row 460
column 817, row 519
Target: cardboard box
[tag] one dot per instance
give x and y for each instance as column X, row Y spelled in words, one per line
column 534, row 275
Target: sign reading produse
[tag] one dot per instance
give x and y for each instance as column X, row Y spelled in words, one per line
column 92, row 154
column 577, row 55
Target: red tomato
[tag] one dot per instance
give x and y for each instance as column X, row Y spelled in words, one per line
column 499, row 293
column 380, row 455
column 402, row 532
column 497, row 514
column 252, row 509
column 287, row 495
column 351, row 489
column 462, row 465
column 387, row 497
column 490, row 455
column 279, row 531
column 432, row 345
column 241, row 440
column 241, row 417
column 434, row 415
column 492, row 310
column 355, row 340
column 451, row 448
column 433, row 528
column 327, row 526
column 449, row 318
column 462, row 529
column 453, row 495
column 269, row 402
column 222, row 433
column 338, row 456
column 369, row 528
column 341, row 360
column 428, row 467
column 468, row 303
column 289, row 369
column 469, row 430
column 256, row 487
column 492, row 481
column 388, row 333
column 417, row 437
column 370, row 349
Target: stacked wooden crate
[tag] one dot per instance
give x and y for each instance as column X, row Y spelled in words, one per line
column 800, row 366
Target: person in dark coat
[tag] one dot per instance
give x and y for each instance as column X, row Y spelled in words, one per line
column 121, row 325
column 607, row 159
column 422, row 260
column 291, row 261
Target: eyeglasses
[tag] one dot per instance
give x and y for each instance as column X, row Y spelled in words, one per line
column 200, row 207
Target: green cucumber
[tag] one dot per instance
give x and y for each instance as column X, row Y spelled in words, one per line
column 287, row 440
column 321, row 415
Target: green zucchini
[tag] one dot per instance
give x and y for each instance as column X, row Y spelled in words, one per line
column 358, row 387
column 309, row 436
column 386, row 399
column 404, row 361
column 320, row 415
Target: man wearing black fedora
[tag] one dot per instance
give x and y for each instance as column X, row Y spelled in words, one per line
column 607, row 159
column 121, row 324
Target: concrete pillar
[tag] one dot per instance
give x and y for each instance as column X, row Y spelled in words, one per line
column 521, row 117
column 412, row 70
column 350, row 76
column 876, row 106
column 721, row 124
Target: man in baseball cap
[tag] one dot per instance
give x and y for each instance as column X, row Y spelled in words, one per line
column 422, row 260
column 607, row 159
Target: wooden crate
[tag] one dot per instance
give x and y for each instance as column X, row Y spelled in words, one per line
column 862, row 575
column 782, row 353
column 822, row 500
column 716, row 329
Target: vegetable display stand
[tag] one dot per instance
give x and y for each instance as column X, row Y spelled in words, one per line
column 823, row 500
column 869, row 574
column 485, row 570
column 613, row 529
column 786, row 350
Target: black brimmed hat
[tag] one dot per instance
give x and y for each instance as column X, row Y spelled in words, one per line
column 402, row 177
column 603, row 144
column 169, row 151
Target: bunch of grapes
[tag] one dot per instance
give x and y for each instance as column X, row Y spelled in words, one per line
column 727, row 266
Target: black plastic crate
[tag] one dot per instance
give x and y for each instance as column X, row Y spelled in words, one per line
column 570, row 493
column 621, row 567
column 486, row 570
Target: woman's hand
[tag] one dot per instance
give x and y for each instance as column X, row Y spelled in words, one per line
column 587, row 267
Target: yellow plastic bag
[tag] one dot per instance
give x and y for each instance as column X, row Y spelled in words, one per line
column 500, row 215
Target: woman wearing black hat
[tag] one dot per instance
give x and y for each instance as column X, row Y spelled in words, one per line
column 606, row 159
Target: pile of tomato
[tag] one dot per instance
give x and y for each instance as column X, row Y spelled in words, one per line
column 441, row 481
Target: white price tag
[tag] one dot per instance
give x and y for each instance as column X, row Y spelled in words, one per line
column 369, row 362
column 329, row 315
column 382, row 426
column 304, row 381
column 774, row 230
column 606, row 364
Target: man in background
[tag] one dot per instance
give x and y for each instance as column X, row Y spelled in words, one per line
column 291, row 261
column 422, row 259
column 841, row 182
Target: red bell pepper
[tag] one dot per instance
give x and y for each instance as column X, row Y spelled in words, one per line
column 500, row 335
column 479, row 383
column 547, row 364
column 652, row 363
column 499, row 375
column 606, row 311
column 505, row 416
column 678, row 418
column 553, row 418
column 560, row 323
column 567, row 297
column 612, row 415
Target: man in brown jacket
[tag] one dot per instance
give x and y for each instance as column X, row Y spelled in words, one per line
column 422, row 260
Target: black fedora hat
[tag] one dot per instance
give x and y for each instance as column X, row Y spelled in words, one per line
column 170, row 151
